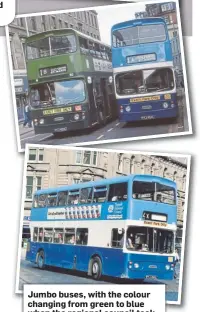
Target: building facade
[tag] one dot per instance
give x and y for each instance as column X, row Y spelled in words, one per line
column 52, row 167
column 85, row 22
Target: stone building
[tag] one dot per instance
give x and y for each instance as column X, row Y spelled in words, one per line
column 51, row 167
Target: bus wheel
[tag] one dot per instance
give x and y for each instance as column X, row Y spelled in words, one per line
column 96, row 268
column 40, row 260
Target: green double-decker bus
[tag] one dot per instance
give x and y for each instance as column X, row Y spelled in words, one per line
column 70, row 81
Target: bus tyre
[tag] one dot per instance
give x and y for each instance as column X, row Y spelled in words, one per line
column 96, row 268
column 40, row 260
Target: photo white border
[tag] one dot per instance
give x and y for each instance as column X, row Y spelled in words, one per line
column 75, row 148
column 123, row 4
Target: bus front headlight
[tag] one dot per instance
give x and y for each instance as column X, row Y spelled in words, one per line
column 165, row 105
column 41, row 121
column 136, row 265
column 167, row 267
column 128, row 109
column 76, row 117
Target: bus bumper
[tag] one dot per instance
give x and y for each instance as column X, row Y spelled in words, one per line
column 148, row 115
column 61, row 127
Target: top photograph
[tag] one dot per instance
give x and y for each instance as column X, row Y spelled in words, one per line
column 106, row 74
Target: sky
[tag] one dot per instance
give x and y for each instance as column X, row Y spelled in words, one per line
column 109, row 16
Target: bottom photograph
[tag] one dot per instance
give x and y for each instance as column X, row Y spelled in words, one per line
column 99, row 216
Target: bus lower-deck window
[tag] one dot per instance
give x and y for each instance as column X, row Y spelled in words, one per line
column 35, row 234
column 117, row 238
column 100, row 194
column 118, row 192
column 40, row 239
column 62, row 198
column 48, row 235
column 81, row 236
column 69, row 236
column 58, row 237
column 52, row 200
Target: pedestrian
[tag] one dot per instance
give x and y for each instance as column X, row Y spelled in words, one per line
column 176, row 262
column 27, row 116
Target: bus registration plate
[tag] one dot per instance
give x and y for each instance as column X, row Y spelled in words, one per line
column 57, row 110
column 151, row 276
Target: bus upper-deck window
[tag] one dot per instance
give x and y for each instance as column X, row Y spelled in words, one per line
column 62, row 198
column 42, row 200
column 100, row 194
column 118, row 192
column 35, row 201
column 73, row 197
column 35, row 234
column 117, row 238
column 52, row 200
column 58, row 236
column 144, row 190
column 81, row 236
column 86, row 195
column 83, row 43
column 165, row 194
column 48, row 235
column 62, row 44
column 69, row 236
column 40, row 239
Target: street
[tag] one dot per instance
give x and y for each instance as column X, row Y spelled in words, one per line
column 112, row 131
column 30, row 274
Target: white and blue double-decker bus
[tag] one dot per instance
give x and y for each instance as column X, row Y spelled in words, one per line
column 144, row 77
column 121, row 227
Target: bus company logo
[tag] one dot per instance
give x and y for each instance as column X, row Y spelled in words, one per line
column 114, row 217
column 110, row 208
column 58, row 118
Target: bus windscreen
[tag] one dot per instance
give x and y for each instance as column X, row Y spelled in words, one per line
column 145, row 81
column 146, row 239
column 57, row 93
column 139, row 34
column 51, row 46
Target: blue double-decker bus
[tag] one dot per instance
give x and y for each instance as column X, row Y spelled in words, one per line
column 145, row 85
column 121, row 227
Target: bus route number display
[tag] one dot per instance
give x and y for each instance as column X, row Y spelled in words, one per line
column 49, row 71
column 154, row 217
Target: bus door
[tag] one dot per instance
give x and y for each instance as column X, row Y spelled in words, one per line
column 99, row 102
column 104, row 90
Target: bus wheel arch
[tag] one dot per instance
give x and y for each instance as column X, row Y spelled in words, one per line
column 40, row 259
column 95, row 267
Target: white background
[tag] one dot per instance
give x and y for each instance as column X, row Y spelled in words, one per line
column 12, row 167
column 7, row 13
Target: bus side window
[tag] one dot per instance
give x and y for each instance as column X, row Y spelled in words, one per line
column 35, row 234
column 40, row 239
column 82, row 236
column 144, row 190
column 42, row 200
column 35, row 201
column 52, row 200
column 86, row 195
column 118, row 192
column 117, row 238
column 69, row 236
column 58, row 237
column 73, row 197
column 100, row 194
column 48, row 235
column 62, row 198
